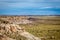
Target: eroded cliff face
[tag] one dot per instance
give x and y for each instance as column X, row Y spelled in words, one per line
column 7, row 30
column 4, row 37
column 16, row 20
column 11, row 30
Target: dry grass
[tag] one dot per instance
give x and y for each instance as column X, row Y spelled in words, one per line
column 49, row 32
column 46, row 27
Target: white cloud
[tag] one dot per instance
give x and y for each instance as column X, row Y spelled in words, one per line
column 28, row 3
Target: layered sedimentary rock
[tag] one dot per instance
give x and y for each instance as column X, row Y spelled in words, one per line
column 9, row 29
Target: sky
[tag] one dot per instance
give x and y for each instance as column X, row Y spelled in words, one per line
column 29, row 7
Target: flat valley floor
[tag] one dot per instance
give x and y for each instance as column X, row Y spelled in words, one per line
column 43, row 27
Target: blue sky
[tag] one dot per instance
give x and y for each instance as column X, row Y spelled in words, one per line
column 29, row 7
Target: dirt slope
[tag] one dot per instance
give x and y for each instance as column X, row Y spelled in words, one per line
column 13, row 28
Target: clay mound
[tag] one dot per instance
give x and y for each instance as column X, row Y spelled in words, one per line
column 11, row 28
column 15, row 30
column 4, row 37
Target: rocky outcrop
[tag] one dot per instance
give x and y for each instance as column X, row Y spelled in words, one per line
column 15, row 21
column 4, row 37
column 13, row 28
column 7, row 30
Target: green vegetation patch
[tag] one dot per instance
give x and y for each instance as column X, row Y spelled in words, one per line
column 48, row 32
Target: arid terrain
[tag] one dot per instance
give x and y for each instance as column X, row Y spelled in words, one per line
column 29, row 27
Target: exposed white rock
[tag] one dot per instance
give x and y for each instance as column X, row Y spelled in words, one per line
column 13, row 28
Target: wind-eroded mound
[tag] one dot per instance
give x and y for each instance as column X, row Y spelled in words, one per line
column 14, row 31
column 4, row 37
column 10, row 30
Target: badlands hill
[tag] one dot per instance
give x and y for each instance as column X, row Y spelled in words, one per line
column 29, row 27
column 10, row 30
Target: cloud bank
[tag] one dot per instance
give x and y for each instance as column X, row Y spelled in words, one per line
column 29, row 7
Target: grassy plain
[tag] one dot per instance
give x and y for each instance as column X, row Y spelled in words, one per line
column 48, row 29
column 44, row 27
